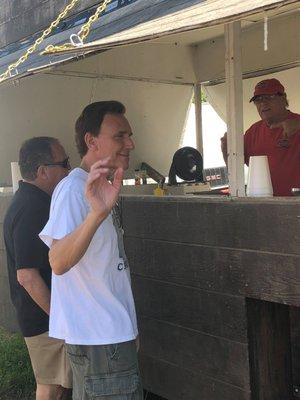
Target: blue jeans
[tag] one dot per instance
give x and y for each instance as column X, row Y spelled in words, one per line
column 105, row 372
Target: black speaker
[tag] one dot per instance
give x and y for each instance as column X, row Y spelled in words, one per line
column 187, row 164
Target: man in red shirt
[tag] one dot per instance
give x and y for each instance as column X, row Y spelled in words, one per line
column 276, row 135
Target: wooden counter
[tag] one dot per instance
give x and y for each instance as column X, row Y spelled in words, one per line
column 217, row 286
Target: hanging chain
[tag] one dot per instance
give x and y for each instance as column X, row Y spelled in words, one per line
column 39, row 40
column 85, row 29
column 76, row 40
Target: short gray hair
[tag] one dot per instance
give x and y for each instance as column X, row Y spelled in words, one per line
column 33, row 153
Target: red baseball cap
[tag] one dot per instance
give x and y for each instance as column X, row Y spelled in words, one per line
column 268, row 86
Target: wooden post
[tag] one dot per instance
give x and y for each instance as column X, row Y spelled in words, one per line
column 234, row 104
column 198, row 115
column 269, row 350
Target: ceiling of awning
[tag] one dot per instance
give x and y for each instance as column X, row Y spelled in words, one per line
column 135, row 13
column 201, row 15
column 146, row 20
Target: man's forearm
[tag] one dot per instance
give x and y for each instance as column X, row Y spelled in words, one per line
column 67, row 252
column 224, row 148
column 40, row 294
column 35, row 286
column 225, row 156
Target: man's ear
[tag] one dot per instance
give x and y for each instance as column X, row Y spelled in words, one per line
column 91, row 141
column 42, row 172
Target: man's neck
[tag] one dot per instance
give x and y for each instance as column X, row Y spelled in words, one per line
column 279, row 118
column 85, row 165
column 38, row 185
column 87, row 161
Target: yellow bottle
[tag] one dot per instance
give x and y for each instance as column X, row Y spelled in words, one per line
column 159, row 191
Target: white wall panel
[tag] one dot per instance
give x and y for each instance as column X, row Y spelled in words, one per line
column 48, row 105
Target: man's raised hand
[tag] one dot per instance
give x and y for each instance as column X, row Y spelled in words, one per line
column 100, row 192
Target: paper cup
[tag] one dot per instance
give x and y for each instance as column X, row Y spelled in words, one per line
column 259, row 178
column 15, row 175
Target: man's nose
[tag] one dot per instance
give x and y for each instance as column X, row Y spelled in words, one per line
column 130, row 144
column 262, row 105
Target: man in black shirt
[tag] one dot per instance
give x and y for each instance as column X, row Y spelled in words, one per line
column 43, row 163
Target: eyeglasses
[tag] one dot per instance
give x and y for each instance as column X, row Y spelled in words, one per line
column 265, row 97
column 64, row 164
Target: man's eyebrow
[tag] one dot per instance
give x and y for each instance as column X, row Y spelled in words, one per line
column 125, row 133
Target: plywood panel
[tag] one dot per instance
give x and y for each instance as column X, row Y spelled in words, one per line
column 258, row 226
column 272, row 277
column 177, row 383
column 206, row 312
column 211, row 356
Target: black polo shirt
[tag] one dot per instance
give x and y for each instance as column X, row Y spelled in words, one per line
column 27, row 214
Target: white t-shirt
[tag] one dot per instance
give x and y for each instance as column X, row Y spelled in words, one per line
column 92, row 303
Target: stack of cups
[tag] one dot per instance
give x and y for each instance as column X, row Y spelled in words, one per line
column 259, row 179
column 15, row 175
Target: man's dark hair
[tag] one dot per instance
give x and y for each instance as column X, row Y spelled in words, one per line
column 33, row 153
column 91, row 119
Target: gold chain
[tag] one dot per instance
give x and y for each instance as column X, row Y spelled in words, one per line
column 39, row 40
column 85, row 29
column 82, row 34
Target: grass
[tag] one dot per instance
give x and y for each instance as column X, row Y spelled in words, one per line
column 16, row 377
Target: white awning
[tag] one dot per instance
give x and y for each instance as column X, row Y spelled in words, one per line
column 160, row 18
column 204, row 14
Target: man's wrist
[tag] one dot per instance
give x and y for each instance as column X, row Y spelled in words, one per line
column 96, row 217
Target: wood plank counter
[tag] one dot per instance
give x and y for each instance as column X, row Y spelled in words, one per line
column 217, row 288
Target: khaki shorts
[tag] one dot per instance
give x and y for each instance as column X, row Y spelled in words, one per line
column 49, row 361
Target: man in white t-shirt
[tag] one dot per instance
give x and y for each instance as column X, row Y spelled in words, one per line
column 92, row 306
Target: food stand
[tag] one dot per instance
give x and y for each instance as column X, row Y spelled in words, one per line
column 215, row 277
